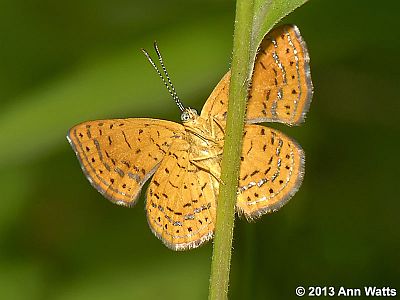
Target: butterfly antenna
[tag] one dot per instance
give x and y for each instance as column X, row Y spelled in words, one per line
column 175, row 96
column 167, row 82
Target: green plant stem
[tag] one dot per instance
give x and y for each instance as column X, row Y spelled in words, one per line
column 254, row 18
column 240, row 77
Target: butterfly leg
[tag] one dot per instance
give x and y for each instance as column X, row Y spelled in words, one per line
column 214, row 124
column 210, row 156
column 215, row 172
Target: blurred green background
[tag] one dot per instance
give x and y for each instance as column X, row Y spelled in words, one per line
column 63, row 62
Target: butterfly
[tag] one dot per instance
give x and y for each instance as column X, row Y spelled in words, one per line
column 119, row 155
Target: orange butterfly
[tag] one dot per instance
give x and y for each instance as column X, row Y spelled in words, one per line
column 119, row 155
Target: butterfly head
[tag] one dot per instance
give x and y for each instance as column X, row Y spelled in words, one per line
column 189, row 114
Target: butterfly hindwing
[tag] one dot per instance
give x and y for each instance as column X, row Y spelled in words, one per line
column 181, row 201
column 119, row 155
column 271, row 171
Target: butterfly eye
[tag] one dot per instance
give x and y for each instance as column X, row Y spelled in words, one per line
column 185, row 116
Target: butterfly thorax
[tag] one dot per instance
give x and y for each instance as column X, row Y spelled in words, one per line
column 202, row 139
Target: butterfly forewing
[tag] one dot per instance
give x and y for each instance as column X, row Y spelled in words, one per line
column 216, row 105
column 181, row 201
column 271, row 171
column 281, row 88
column 119, row 155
